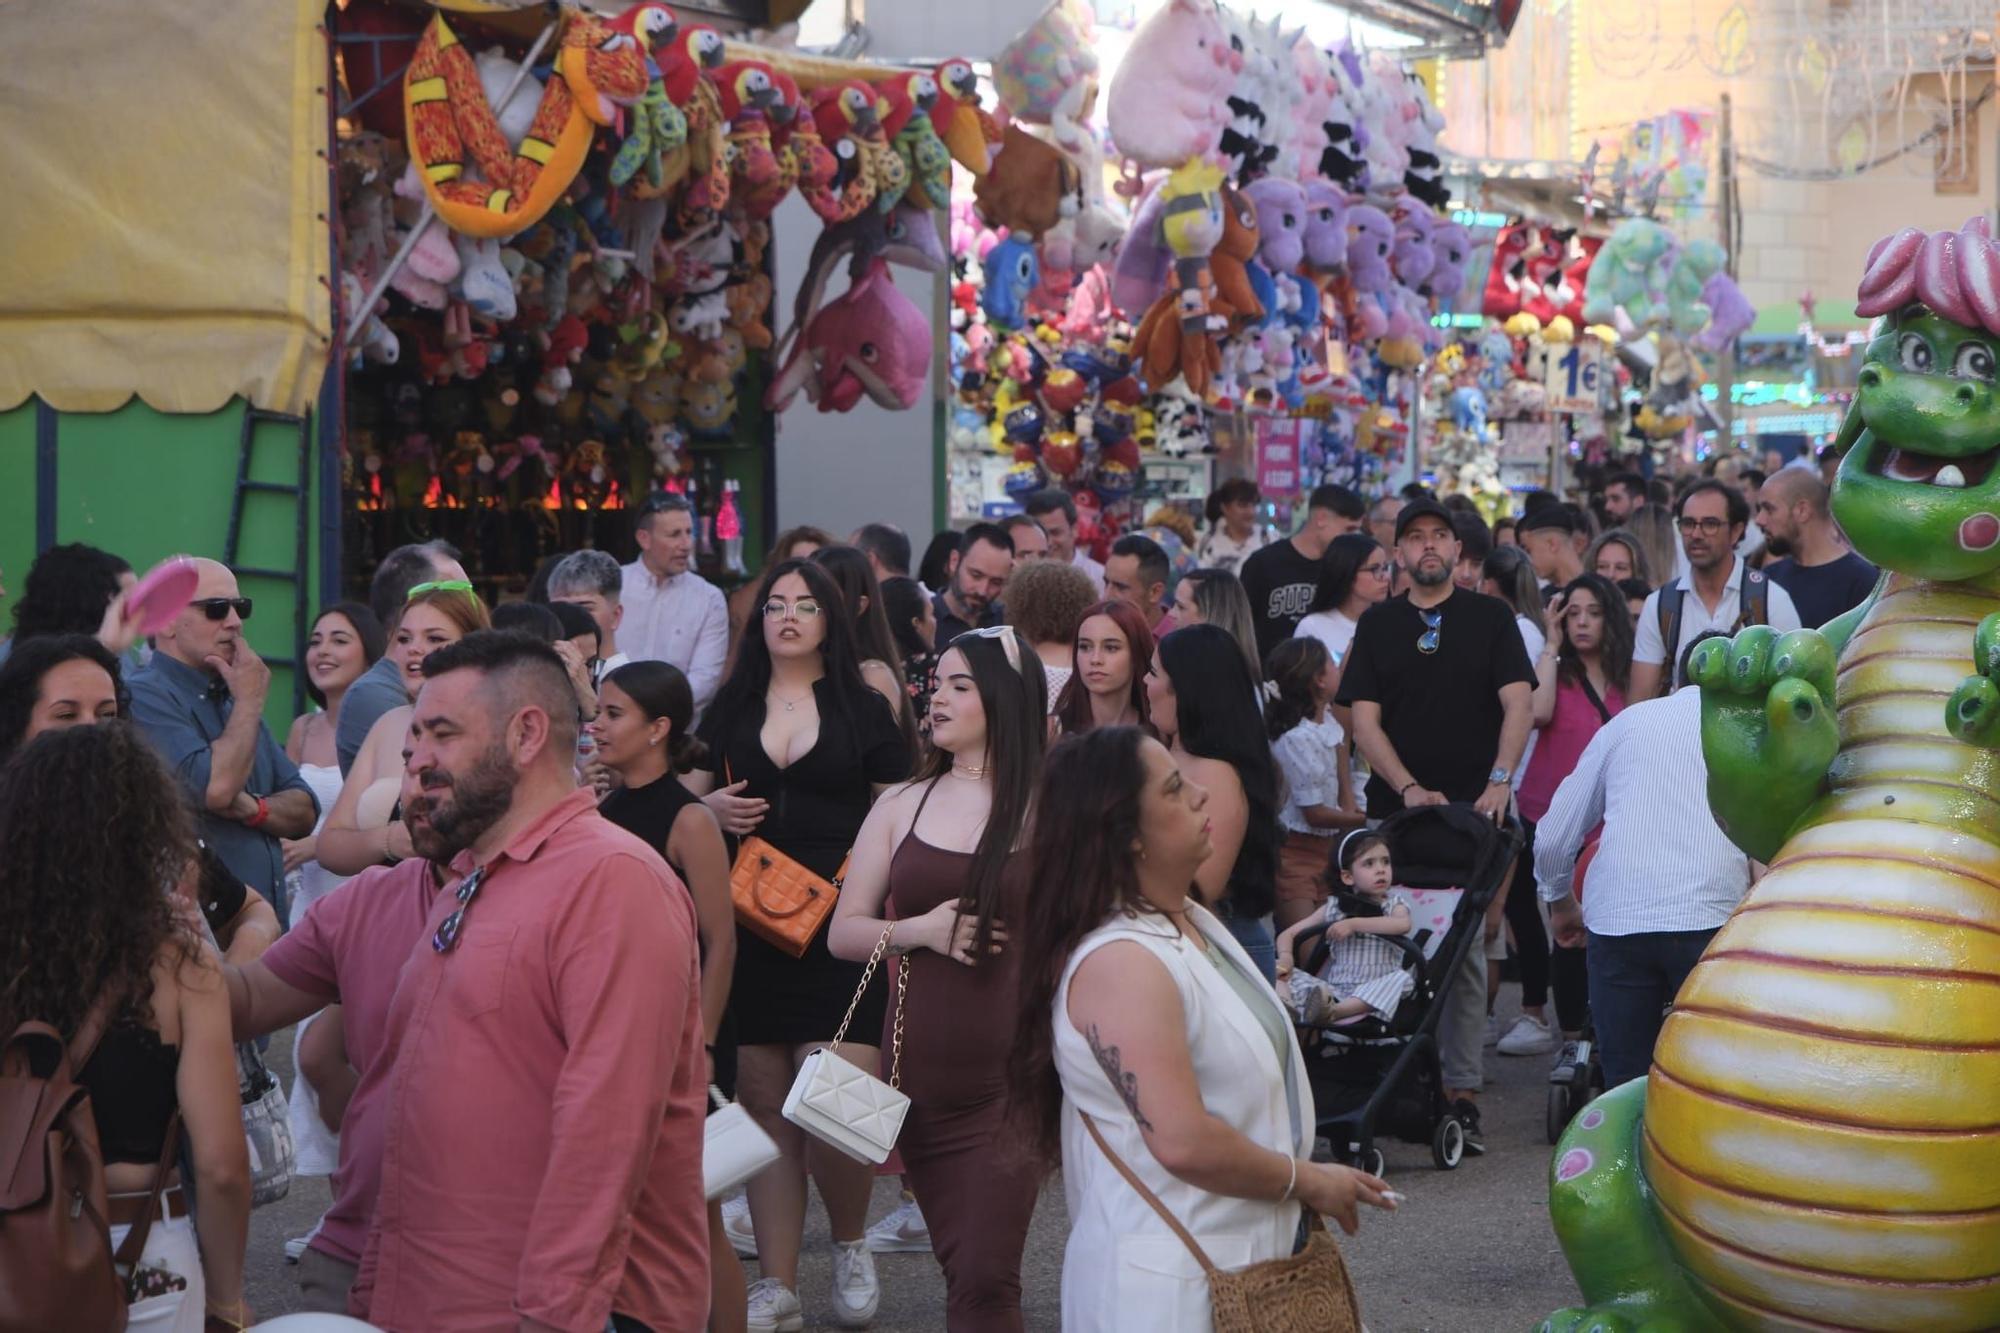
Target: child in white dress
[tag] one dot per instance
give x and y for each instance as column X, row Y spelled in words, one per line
column 1364, row 972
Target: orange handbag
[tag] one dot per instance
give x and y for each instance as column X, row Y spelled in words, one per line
column 777, row 899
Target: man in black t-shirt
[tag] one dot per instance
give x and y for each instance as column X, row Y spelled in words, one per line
column 1280, row 579
column 1821, row 572
column 1442, row 696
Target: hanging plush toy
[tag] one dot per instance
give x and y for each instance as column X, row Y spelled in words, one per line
column 1168, row 101
column 1326, row 228
column 1011, row 274
column 912, row 133
column 1281, row 223
column 1178, row 335
column 967, row 130
column 1629, row 270
column 1370, row 238
column 849, row 121
column 1031, row 187
column 452, row 127
column 870, row 341
column 747, row 90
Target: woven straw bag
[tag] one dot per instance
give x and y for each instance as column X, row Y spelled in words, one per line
column 1309, row 1292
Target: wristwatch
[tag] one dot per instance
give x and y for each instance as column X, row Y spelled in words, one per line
column 1499, row 777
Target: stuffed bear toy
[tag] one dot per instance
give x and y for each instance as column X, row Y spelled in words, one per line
column 1630, row 273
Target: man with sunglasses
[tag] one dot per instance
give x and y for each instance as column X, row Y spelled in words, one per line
column 1442, row 694
column 1717, row 594
column 542, row 1077
column 200, row 701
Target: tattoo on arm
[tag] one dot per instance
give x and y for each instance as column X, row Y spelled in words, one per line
column 1127, row 1084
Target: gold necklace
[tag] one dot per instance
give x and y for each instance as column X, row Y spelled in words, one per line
column 971, row 771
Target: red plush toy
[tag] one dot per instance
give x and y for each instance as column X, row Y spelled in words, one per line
column 1503, row 279
column 1542, row 292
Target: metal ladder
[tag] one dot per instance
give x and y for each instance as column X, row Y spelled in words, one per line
column 301, row 495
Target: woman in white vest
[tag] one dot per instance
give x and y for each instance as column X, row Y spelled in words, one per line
column 1143, row 1019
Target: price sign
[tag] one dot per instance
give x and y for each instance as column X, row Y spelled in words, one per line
column 1572, row 378
column 1278, row 444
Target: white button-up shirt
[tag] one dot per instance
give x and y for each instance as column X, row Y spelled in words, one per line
column 1662, row 864
column 683, row 620
column 1090, row 567
column 1697, row 619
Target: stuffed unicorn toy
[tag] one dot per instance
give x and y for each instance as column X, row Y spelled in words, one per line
column 1313, row 91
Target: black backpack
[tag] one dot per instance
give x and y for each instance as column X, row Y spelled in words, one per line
column 1755, row 604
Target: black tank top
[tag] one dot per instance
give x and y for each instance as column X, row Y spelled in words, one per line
column 648, row 813
column 132, row 1090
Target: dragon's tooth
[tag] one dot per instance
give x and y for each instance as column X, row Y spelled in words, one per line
column 1948, row 475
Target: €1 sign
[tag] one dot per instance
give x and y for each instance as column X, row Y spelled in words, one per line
column 1573, row 379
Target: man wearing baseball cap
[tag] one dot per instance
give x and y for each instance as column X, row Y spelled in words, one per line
column 1441, row 691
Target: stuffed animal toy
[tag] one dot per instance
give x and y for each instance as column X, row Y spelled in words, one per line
column 1281, row 222
column 687, row 65
column 701, row 316
column 1140, row 271
column 1012, row 271
column 871, row 340
column 1257, row 104
column 709, row 409
column 1168, row 102
column 1031, row 186
column 848, row 119
column 483, row 281
column 914, row 136
column 747, row 90
column 1697, row 262
column 1424, row 123
column 1451, row 244
column 452, row 127
column 1502, row 297
column 1730, row 313
column 1543, row 291
column 1044, row 66
column 967, row 130
column 1325, row 235
column 1371, row 236
column 1468, row 413
column 748, row 301
column 1237, row 299
column 659, row 128
column 1576, row 274
column 1303, row 139
column 1178, row 334
column 1630, row 268
column 804, row 156
column 375, row 342
column 565, row 346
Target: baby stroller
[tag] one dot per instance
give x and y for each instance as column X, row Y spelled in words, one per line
column 1578, row 1075
column 1369, row 1077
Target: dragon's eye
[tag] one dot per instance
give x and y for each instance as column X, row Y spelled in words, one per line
column 1914, row 353
column 1974, row 362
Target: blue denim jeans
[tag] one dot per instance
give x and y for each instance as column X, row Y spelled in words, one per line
column 1633, row 978
column 1256, row 939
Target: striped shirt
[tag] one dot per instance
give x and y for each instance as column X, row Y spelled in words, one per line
column 1662, row 864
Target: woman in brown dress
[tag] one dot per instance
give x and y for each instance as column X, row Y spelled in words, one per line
column 937, row 851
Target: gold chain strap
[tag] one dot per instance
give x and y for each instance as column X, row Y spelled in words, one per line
column 867, row 975
column 902, row 988
column 896, row 1042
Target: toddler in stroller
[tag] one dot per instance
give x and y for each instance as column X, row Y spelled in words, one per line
column 1364, row 973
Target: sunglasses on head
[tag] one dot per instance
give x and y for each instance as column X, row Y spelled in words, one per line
column 218, row 608
column 440, row 585
column 1010, row 643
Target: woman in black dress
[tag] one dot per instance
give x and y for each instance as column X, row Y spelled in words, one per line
column 644, row 711
column 798, row 748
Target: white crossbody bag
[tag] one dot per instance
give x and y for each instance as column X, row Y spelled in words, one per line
column 842, row 1104
column 734, row 1147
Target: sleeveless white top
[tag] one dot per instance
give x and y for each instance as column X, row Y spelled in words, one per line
column 316, row 881
column 1123, row 1269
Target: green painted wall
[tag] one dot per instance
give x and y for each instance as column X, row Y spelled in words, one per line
column 147, row 485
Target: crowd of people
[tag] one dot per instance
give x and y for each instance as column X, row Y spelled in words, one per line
column 489, row 877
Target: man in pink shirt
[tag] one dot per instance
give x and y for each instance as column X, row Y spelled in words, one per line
column 542, row 1077
column 349, row 951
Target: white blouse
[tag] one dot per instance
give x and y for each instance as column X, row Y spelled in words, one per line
column 1309, row 757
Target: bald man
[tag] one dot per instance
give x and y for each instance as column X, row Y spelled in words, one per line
column 1821, row 572
column 200, row 702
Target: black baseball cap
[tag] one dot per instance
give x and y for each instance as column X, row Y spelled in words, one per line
column 1423, row 508
column 1548, row 516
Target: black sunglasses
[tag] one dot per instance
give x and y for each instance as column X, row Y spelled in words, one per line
column 446, row 938
column 218, row 608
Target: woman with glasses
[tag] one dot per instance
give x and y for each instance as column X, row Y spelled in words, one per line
column 934, row 866
column 798, row 748
column 1205, row 707
column 792, row 544
column 362, row 829
column 1354, row 575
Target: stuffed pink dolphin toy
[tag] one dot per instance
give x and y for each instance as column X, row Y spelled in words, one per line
column 871, row 340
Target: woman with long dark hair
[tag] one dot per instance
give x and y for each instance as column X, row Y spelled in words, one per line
column 92, row 944
column 1144, row 1030
column 1354, row 574
column 643, row 733
column 913, row 621
column 798, row 748
column 938, row 853
column 874, row 640
column 55, row 681
column 1107, row 683
column 1205, row 708
column 1581, row 679
column 792, row 544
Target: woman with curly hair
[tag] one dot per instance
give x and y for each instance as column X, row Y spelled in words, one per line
column 1045, row 603
column 75, row 589
column 92, row 944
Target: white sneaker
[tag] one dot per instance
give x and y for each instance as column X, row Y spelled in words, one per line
column 856, row 1292
column 1528, row 1036
column 296, row 1246
column 736, row 1226
column 774, row 1308
column 903, row 1231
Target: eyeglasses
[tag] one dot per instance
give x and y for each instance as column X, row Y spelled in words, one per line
column 446, row 938
column 441, row 585
column 1707, row 527
column 1010, row 642
column 1427, row 642
column 1380, row 571
column 803, row 609
column 218, row 608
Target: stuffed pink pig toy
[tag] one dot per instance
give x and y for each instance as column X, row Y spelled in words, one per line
column 1169, row 99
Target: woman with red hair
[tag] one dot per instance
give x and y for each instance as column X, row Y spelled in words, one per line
column 1107, row 684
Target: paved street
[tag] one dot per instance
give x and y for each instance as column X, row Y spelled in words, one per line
column 1470, row 1250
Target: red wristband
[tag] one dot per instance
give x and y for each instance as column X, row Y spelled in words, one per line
column 263, row 813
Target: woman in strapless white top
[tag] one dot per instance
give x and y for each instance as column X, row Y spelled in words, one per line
column 1143, row 1019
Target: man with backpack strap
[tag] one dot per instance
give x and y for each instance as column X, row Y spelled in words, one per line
column 1718, row 594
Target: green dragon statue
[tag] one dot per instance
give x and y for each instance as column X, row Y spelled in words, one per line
column 1818, row 1145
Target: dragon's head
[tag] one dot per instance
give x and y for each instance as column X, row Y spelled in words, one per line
column 1918, row 490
